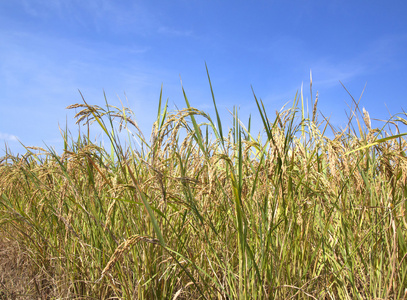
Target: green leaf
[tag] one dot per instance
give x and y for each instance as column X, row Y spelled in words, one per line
column 377, row 142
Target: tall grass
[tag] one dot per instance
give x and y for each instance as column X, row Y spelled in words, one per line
column 204, row 212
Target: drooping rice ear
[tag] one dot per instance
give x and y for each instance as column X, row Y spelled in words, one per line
column 366, row 118
column 314, row 111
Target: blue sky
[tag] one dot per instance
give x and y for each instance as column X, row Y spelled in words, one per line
column 50, row 49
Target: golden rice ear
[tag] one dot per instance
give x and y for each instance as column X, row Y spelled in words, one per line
column 404, row 121
column 75, row 106
column 366, row 118
column 123, row 248
column 314, row 111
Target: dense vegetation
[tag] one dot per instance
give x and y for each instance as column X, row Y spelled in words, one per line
column 198, row 212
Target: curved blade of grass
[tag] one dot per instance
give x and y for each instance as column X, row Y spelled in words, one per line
column 263, row 116
column 161, row 115
column 197, row 135
column 148, row 208
column 216, row 109
column 377, row 142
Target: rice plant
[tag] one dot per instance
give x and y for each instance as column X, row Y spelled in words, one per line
column 199, row 211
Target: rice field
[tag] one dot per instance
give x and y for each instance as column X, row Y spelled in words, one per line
column 301, row 210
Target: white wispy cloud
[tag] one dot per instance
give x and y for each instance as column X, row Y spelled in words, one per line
column 102, row 16
column 334, row 71
column 174, row 32
column 8, row 137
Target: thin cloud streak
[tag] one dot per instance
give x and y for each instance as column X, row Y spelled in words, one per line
column 332, row 73
column 174, row 32
column 8, row 137
column 102, row 16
